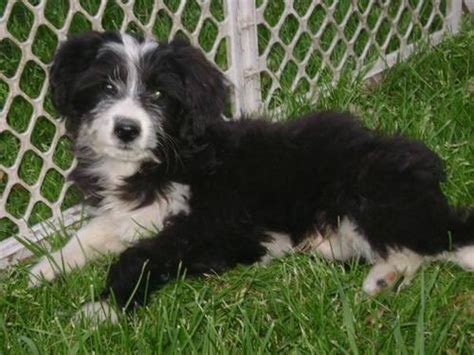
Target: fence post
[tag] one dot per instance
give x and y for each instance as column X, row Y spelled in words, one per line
column 453, row 19
column 243, row 53
column 469, row 5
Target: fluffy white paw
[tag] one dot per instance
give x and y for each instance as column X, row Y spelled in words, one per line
column 43, row 270
column 385, row 273
column 333, row 248
column 324, row 248
column 97, row 312
column 380, row 278
column 465, row 258
column 279, row 245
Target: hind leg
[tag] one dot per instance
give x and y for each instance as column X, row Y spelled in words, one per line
column 343, row 243
column 386, row 271
column 332, row 247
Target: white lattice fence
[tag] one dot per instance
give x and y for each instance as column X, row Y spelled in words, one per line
column 266, row 48
column 313, row 42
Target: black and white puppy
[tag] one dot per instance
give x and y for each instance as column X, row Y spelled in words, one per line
column 154, row 152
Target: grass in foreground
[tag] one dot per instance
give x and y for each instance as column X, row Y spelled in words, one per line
column 299, row 303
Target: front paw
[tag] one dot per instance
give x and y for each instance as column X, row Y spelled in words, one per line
column 97, row 312
column 43, row 271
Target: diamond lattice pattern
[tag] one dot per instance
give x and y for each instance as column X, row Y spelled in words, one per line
column 305, row 44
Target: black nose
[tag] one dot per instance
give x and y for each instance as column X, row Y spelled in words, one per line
column 126, row 129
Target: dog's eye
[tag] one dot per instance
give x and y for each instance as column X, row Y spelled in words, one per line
column 109, row 88
column 157, row 94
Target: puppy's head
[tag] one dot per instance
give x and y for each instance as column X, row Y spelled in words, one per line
column 123, row 96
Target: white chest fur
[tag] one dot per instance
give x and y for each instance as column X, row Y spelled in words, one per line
column 135, row 222
column 129, row 220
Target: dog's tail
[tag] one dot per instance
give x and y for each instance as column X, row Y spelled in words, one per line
column 461, row 227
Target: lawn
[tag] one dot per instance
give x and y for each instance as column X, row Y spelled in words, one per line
column 300, row 303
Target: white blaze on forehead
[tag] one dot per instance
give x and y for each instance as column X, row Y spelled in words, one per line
column 131, row 48
column 132, row 51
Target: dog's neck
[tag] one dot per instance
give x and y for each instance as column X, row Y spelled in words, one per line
column 137, row 183
column 95, row 174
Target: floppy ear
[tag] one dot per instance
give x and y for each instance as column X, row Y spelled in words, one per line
column 205, row 89
column 71, row 59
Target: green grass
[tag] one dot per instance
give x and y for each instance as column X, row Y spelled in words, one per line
column 298, row 304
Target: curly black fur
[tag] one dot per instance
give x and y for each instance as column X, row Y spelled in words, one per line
column 293, row 177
